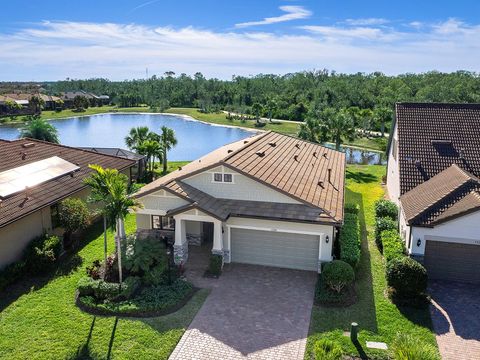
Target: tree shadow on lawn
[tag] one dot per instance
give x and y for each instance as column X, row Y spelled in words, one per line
column 360, row 177
column 67, row 264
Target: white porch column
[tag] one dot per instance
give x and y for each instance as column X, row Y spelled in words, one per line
column 217, row 248
column 180, row 248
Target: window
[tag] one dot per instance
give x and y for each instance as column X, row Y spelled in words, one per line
column 163, row 222
column 217, row 177
column 227, row 178
column 223, row 178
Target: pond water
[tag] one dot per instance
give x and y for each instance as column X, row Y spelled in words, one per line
column 195, row 138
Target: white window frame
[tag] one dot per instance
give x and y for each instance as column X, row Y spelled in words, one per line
column 223, row 173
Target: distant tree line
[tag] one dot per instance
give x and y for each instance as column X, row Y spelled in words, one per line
column 292, row 96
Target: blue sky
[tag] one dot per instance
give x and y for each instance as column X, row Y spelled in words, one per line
column 51, row 40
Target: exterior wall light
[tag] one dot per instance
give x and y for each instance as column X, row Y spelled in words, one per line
column 327, row 239
column 419, row 242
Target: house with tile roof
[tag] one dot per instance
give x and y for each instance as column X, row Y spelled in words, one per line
column 270, row 199
column 34, row 177
column 433, row 175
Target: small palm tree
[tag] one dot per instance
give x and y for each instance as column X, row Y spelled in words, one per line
column 151, row 149
column 167, row 141
column 310, row 130
column 41, row 130
column 136, row 136
column 339, row 126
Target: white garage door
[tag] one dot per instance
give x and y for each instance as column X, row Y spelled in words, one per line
column 295, row 251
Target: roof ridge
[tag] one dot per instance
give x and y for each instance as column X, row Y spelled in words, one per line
column 248, row 144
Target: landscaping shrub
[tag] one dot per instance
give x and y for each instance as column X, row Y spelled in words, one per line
column 338, row 274
column 11, row 273
column 408, row 347
column 393, row 247
column 407, row 277
column 130, row 287
column 350, row 240
column 156, row 275
column 215, row 265
column 351, row 208
column 100, row 289
column 73, row 215
column 42, row 252
column 325, row 349
column 386, row 208
column 142, row 255
column 93, row 271
column 383, row 224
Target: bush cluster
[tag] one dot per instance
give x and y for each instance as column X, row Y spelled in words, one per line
column 383, row 224
column 103, row 290
column 386, row 208
column 351, row 208
column 350, row 245
column 407, row 276
column 325, row 349
column 337, row 275
column 393, row 247
column 215, row 265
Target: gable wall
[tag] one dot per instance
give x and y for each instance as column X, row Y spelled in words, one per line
column 242, row 188
column 159, row 202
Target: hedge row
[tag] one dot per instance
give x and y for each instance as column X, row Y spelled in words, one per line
column 386, row 208
column 383, row 224
column 350, row 243
column 393, row 247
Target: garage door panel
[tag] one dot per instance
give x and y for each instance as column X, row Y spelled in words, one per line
column 452, row 261
column 274, row 249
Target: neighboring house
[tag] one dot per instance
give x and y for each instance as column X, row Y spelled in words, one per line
column 34, row 177
column 94, row 100
column 50, row 101
column 433, row 170
column 141, row 160
column 270, row 199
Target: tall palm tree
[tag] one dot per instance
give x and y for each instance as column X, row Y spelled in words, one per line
column 99, row 191
column 167, row 141
column 41, row 130
column 116, row 202
column 339, row 126
column 136, row 136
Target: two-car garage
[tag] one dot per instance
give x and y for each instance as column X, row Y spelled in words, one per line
column 280, row 249
column 452, row 261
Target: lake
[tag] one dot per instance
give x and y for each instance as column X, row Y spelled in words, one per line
column 195, row 138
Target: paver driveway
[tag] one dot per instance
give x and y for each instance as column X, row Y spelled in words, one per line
column 253, row 312
column 456, row 319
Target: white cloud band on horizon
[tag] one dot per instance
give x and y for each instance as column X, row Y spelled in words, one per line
column 56, row 50
column 293, row 12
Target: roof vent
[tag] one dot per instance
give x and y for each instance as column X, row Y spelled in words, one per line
column 272, row 144
column 320, row 183
column 325, row 155
column 329, row 175
column 314, row 154
column 229, row 151
column 245, row 141
column 179, row 168
column 418, row 163
column 24, row 155
column 295, row 157
column 28, row 145
column 260, row 153
column 297, row 145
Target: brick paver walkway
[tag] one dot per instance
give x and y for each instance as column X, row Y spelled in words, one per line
column 253, row 312
column 456, row 319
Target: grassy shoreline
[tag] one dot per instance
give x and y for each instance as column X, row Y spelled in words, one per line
column 288, row 128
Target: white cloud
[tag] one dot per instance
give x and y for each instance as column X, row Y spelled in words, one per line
column 56, row 50
column 367, row 21
column 293, row 12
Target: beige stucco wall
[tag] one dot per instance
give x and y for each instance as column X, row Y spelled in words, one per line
column 15, row 237
column 242, row 188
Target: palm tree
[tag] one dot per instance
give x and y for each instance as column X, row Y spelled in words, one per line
column 310, row 130
column 112, row 186
column 98, row 181
column 167, row 141
column 256, row 110
column 136, row 136
column 151, row 149
column 271, row 106
column 41, row 130
column 382, row 114
column 338, row 126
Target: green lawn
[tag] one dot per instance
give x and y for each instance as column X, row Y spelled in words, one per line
column 39, row 319
column 171, row 166
column 378, row 318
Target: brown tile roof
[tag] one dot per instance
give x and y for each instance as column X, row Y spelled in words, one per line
column 447, row 194
column 11, row 153
column 434, row 136
column 307, row 172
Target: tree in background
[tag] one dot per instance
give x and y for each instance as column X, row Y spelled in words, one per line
column 310, row 130
column 366, row 119
column 338, row 126
column 136, row 136
column 73, row 215
column 257, row 111
column 151, row 149
column 271, row 106
column 41, row 130
column 382, row 115
column 13, row 108
column 167, row 141
column 36, row 103
column 80, row 103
